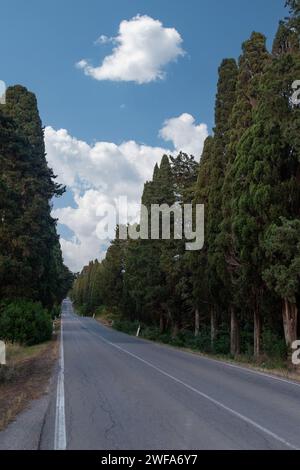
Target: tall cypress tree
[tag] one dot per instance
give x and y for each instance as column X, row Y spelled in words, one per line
column 13, row 168
column 211, row 281
column 241, row 269
column 34, row 245
column 218, row 281
column 266, row 167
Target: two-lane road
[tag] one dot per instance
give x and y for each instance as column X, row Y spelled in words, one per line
column 120, row 392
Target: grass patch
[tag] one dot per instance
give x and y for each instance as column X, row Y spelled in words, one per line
column 16, row 352
column 25, row 376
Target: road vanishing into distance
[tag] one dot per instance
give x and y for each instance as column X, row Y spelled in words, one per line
column 116, row 391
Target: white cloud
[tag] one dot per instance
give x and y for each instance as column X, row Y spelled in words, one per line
column 143, row 48
column 105, row 166
column 82, row 220
column 185, row 134
column 98, row 174
column 103, row 39
column 88, row 221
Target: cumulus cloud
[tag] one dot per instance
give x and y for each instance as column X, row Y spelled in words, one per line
column 88, row 221
column 185, row 134
column 143, row 47
column 99, row 173
column 103, row 39
column 83, row 220
column 105, row 166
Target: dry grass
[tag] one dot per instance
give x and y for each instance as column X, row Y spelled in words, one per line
column 15, row 353
column 25, row 377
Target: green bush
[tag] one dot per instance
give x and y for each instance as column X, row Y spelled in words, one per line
column 101, row 310
column 202, row 342
column 55, row 312
column 222, row 343
column 273, row 345
column 83, row 310
column 126, row 326
column 150, row 332
column 25, row 322
column 247, row 340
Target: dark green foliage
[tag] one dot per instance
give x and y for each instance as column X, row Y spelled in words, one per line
column 282, row 247
column 31, row 264
column 25, row 322
column 241, row 292
column 274, row 345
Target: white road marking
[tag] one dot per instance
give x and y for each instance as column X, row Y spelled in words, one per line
column 224, row 363
column 251, row 371
column 203, row 395
column 60, row 441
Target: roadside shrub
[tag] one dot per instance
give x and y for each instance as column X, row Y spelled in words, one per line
column 101, row 310
column 247, row 340
column 202, row 341
column 83, row 310
column 25, row 322
column 164, row 337
column 273, row 345
column 150, row 332
column 126, row 326
column 55, row 312
column 222, row 343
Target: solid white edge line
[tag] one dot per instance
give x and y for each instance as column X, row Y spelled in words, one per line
column 218, row 361
column 203, row 395
column 60, row 442
column 251, row 371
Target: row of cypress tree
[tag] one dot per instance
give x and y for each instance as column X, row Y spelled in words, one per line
column 247, row 276
column 31, row 264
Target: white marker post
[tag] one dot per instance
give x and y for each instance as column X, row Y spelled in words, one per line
column 138, row 330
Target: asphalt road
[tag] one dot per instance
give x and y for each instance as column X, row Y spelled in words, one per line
column 120, row 392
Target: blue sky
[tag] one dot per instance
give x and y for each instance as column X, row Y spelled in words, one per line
column 42, row 41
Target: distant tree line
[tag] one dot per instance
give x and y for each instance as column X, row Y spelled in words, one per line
column 246, row 279
column 31, row 264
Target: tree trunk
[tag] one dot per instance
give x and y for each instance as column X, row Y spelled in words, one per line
column 197, row 322
column 289, row 316
column 234, row 333
column 175, row 329
column 213, row 327
column 168, row 319
column 257, row 332
column 161, row 323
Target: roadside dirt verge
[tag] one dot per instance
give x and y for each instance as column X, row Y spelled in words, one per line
column 25, row 377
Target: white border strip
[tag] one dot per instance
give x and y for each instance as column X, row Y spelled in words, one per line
column 60, row 441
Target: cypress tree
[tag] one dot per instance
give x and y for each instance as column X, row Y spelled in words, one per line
column 242, row 272
column 36, row 264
